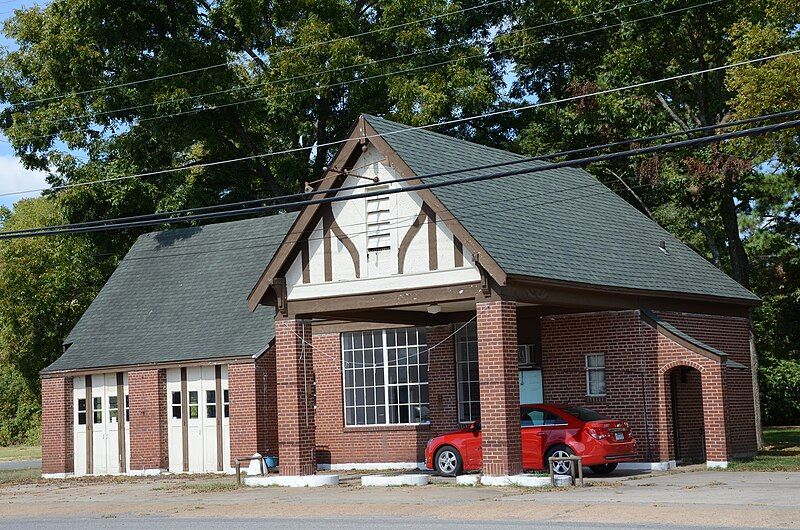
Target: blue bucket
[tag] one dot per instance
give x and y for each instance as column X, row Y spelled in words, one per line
column 271, row 461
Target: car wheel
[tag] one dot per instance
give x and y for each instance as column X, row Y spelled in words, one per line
column 448, row 461
column 559, row 468
column 603, row 469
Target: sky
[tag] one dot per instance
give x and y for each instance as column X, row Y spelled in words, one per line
column 14, row 177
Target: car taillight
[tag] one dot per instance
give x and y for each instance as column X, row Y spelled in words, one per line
column 599, row 433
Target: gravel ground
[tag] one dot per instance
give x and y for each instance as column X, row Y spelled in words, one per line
column 701, row 499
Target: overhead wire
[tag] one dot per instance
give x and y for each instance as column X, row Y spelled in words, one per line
column 332, row 85
column 430, row 185
column 452, row 121
column 548, row 156
column 370, row 63
column 269, row 54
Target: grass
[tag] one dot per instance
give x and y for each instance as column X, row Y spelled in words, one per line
column 20, row 452
column 781, row 452
column 19, row 476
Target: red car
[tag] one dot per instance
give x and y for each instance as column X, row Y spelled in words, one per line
column 547, row 430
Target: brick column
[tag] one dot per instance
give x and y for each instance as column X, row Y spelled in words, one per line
column 295, row 379
column 57, row 441
column 243, row 421
column 498, row 370
column 716, row 428
column 147, row 391
column 442, row 392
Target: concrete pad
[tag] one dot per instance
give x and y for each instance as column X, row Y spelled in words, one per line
column 717, row 464
column 398, row 480
column 298, row 481
column 528, row 481
column 647, row 466
column 468, row 480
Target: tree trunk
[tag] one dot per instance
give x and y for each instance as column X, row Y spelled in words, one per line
column 741, row 269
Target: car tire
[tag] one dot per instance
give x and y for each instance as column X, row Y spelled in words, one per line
column 559, row 468
column 603, row 469
column 448, row 461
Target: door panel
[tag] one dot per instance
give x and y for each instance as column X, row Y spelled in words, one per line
column 99, row 417
column 81, row 416
column 174, row 421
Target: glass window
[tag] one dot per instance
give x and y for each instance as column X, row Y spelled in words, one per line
column 194, row 405
column 596, row 375
column 97, row 408
column 211, row 403
column 127, row 408
column 540, row 418
column 584, row 414
column 468, row 388
column 385, row 377
column 176, row 405
column 225, row 404
column 113, row 409
column 81, row 411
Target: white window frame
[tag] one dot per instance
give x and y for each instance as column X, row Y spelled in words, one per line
column 590, row 369
column 463, row 336
column 422, row 348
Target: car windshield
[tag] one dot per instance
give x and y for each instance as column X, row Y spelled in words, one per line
column 584, row 414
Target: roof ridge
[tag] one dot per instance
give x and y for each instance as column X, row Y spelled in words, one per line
column 443, row 136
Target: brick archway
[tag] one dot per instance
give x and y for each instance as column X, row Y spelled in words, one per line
column 687, row 433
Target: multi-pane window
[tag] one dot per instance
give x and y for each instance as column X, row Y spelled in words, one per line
column 225, row 404
column 176, row 405
column 194, row 405
column 81, row 411
column 127, row 408
column 467, row 373
column 385, row 376
column 211, row 403
column 113, row 409
column 596, row 375
column 97, row 409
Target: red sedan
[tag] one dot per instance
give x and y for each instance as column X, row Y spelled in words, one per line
column 547, row 430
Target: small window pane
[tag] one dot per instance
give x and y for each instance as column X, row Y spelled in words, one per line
column 176, row 412
column 211, row 411
column 97, row 404
column 81, row 405
column 193, row 397
column 194, row 412
column 211, row 396
column 176, row 398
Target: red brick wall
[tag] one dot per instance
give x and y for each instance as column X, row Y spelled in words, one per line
column 732, row 336
column 638, row 364
column 57, row 439
column 337, row 444
column 148, row 410
column 243, row 420
column 295, row 386
column 498, row 370
column 266, row 403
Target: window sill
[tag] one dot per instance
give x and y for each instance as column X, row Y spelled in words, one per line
column 596, row 399
column 380, row 428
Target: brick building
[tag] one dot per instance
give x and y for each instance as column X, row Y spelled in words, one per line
column 349, row 333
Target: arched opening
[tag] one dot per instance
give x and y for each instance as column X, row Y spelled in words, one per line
column 686, row 405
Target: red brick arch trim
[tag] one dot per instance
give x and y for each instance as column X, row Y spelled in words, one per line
column 682, row 362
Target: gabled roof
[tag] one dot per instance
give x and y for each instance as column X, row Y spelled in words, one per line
column 178, row 296
column 559, row 224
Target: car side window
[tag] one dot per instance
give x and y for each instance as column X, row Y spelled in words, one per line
column 539, row 418
column 533, row 418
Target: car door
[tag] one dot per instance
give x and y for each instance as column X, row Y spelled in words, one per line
column 532, row 421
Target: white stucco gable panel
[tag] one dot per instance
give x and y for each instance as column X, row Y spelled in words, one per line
column 381, row 243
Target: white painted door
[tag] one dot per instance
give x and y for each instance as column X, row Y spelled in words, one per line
column 175, row 420
column 80, row 417
column 98, row 409
column 199, row 427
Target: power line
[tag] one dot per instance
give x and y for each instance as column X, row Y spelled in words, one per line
column 465, row 180
column 337, row 84
column 353, row 66
column 549, row 156
column 418, row 127
column 270, row 54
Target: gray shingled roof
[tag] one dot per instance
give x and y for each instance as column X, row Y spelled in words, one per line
column 180, row 295
column 558, row 224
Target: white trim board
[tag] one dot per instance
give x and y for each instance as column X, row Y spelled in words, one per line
column 371, row 466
